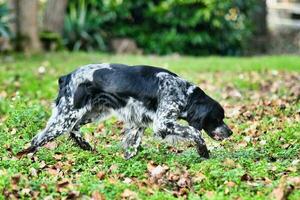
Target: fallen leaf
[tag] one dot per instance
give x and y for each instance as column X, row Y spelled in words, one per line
column 100, row 128
column 230, row 184
column 52, row 171
column 295, row 181
column 26, row 191
column 113, row 167
column 127, row 180
column 33, row 171
column 183, row 182
column 210, row 194
column 97, row 196
column 58, row 156
column 278, row 193
column 229, row 162
column 292, row 169
column 128, row 194
column 73, row 195
column 158, row 171
column 246, row 177
column 199, row 177
column 101, row 175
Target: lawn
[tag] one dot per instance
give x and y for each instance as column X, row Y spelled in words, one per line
column 260, row 161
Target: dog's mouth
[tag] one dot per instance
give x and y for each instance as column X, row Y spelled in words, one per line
column 219, row 138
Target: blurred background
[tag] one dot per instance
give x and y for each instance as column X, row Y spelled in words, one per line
column 186, row 27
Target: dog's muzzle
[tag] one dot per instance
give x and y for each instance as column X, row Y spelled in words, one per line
column 221, row 132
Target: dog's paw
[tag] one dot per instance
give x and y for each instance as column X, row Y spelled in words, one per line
column 129, row 154
column 203, row 151
column 26, row 151
column 86, row 146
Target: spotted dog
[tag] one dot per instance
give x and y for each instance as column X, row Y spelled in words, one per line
column 139, row 96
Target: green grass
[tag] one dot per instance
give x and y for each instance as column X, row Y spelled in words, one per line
column 260, row 98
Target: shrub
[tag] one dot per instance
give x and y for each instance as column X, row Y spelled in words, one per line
column 4, row 28
column 194, row 27
column 83, row 25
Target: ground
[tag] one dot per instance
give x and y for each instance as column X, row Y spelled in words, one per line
column 260, row 161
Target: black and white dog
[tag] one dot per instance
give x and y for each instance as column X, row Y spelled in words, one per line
column 140, row 96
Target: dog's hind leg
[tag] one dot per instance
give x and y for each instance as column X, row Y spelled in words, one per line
column 64, row 117
column 132, row 140
column 76, row 134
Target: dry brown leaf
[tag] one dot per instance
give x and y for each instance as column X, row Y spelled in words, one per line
column 42, row 164
column 183, row 182
column 101, row 175
column 246, row 177
column 97, row 196
column 278, row 193
column 33, row 171
column 173, row 176
column 26, row 191
column 295, row 181
column 267, row 181
column 73, row 194
column 63, row 183
column 58, row 156
column 113, row 168
column 53, row 172
column 158, row 171
column 100, row 128
column 230, row 184
column 199, row 177
column 50, row 145
column 128, row 194
column 292, row 169
column 127, row 180
column 229, row 162
column 210, row 194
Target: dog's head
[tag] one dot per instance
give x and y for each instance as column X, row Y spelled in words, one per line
column 213, row 122
column 208, row 114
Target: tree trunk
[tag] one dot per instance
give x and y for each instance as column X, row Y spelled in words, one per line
column 27, row 25
column 54, row 15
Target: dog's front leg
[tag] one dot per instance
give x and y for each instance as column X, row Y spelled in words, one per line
column 172, row 128
column 131, row 141
column 165, row 124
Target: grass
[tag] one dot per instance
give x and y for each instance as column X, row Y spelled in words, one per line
column 259, row 161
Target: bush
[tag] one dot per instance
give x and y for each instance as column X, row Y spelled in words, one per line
column 4, row 28
column 83, row 25
column 196, row 27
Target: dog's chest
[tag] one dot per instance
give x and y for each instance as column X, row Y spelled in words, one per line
column 135, row 113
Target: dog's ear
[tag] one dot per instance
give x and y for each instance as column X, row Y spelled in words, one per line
column 198, row 117
column 81, row 96
column 63, row 81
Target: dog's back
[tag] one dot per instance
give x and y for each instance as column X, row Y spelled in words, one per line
column 122, row 82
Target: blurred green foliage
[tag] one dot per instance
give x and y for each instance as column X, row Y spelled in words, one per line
column 84, row 25
column 196, row 27
column 4, row 19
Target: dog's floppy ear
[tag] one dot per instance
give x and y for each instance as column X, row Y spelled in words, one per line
column 63, row 81
column 198, row 116
column 81, row 95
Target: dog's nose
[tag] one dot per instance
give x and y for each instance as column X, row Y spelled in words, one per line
column 227, row 130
